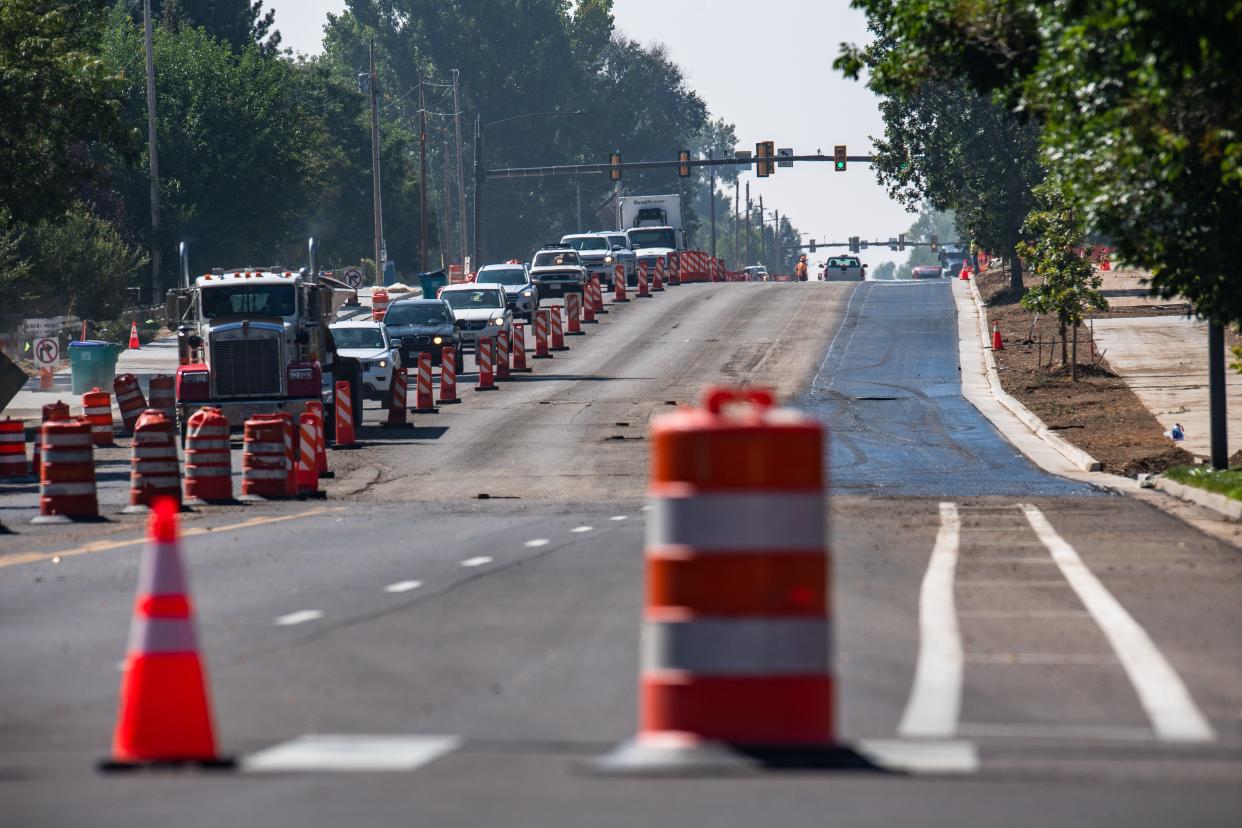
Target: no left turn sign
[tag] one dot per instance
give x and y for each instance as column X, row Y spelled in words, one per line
column 47, row 351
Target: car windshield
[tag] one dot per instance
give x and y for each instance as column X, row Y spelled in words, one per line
column 507, row 276
column 472, row 299
column 417, row 313
column 586, row 242
column 653, row 237
column 245, row 300
column 358, row 337
column 556, row 258
column 843, row 262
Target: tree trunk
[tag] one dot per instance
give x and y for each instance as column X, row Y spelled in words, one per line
column 1074, row 363
column 1015, row 274
column 1064, row 343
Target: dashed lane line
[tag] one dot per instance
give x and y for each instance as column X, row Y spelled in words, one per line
column 581, row 529
column 473, row 562
column 299, row 617
column 619, row 517
column 341, row 752
column 403, row 586
column 190, row 532
column 1173, row 713
column 535, row 543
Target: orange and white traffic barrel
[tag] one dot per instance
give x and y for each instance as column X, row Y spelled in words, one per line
column 208, row 463
column 643, row 293
column 448, row 376
column 97, row 410
column 597, row 296
column 321, row 438
column 502, row 357
column 343, row 408
column 618, row 284
column 588, row 305
column 657, row 278
column 396, row 404
column 543, row 324
column 307, row 471
column 52, row 412
column 129, row 399
column 162, row 391
column 424, row 397
column 483, row 356
column 573, row 314
column 518, row 343
column 155, row 471
column 265, row 457
column 67, row 472
column 674, row 270
column 292, row 441
column 13, row 449
column 558, row 333
column 379, row 304
column 736, row 636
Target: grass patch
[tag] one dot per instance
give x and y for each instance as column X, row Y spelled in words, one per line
column 1228, row 483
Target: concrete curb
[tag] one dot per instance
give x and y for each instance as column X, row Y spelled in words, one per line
column 1075, row 455
column 1226, row 506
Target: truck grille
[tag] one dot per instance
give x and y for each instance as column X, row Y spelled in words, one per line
column 246, row 367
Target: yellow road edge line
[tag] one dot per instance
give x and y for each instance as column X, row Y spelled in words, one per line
column 193, row 531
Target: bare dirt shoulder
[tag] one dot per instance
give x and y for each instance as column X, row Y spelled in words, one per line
column 1098, row 413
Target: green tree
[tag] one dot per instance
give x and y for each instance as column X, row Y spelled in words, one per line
column 239, row 23
column 1069, row 284
column 57, row 99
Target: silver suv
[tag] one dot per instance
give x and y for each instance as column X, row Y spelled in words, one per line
column 601, row 252
column 557, row 270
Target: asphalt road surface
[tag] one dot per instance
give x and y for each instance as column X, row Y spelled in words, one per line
column 407, row 652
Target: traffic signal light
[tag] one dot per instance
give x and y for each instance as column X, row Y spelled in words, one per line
column 812, row 245
column 615, row 171
column 901, row 241
column 683, row 171
column 935, row 243
column 854, row 246
column 838, row 158
column 764, row 152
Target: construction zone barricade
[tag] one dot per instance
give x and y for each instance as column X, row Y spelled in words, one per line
column 558, row 332
column 266, row 449
column 543, row 325
column 643, row 292
column 448, row 376
column 164, row 712
column 597, row 296
column 503, row 371
column 618, row 284
column 424, row 400
column 396, row 403
column 321, row 440
column 97, row 411
column 307, row 471
column 379, row 304
column 208, row 463
column 67, row 473
column 736, row 669
column 657, row 278
column 52, row 412
column 343, row 411
column 588, row 304
column 162, row 391
column 518, row 342
column 483, row 356
column 13, row 450
column 573, row 314
column 155, row 472
column 129, row 400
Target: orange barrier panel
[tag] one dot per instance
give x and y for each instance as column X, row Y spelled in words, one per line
column 97, row 410
column 13, row 449
column 321, row 440
column 558, row 333
column 379, row 304
column 265, row 457
column 307, row 473
column 162, row 391
column 657, row 278
column 573, row 314
column 343, row 405
column 543, row 323
column 396, row 404
column 155, row 471
column 483, row 355
column 519, row 349
column 424, row 401
column 448, row 376
column 52, row 412
column 129, row 399
column 208, row 463
column 502, row 357
column 618, row 284
column 597, row 296
column 643, row 292
column 67, row 472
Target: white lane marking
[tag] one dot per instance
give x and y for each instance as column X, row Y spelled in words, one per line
column 936, row 697
column 1173, row 713
column 1114, row 733
column 334, row 752
column 618, row 517
column 300, row 617
column 403, row 586
column 476, row 561
column 581, row 529
column 535, row 543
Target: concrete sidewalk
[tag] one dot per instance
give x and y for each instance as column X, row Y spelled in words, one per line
column 1164, row 360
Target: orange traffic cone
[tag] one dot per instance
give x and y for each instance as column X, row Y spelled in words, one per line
column 997, row 344
column 133, row 336
column 164, row 716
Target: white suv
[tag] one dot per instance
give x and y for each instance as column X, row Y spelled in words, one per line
column 480, row 310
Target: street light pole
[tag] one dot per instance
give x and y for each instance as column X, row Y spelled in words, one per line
column 747, row 225
column 375, row 171
column 152, row 149
column 479, row 175
column 1216, row 396
column 712, row 197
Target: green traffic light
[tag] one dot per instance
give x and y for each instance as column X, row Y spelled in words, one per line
column 840, row 166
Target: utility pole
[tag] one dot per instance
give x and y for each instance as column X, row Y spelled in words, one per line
column 712, row 196
column 747, row 224
column 461, row 176
column 578, row 191
column 152, row 149
column 737, row 213
column 375, row 170
column 763, row 241
column 776, row 239
column 1216, row 396
column 446, row 246
column 422, row 177
column 479, row 174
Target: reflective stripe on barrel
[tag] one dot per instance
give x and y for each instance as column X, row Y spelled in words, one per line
column 97, row 411
column 155, row 471
column 12, row 448
column 67, row 472
column 129, row 399
column 265, row 460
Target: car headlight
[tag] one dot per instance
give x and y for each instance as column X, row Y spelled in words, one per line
column 498, row 321
column 528, row 293
column 381, row 363
column 439, row 340
column 608, row 260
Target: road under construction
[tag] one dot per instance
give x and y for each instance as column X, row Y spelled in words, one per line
column 520, row 608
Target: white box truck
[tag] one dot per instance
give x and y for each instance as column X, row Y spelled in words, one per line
column 653, row 226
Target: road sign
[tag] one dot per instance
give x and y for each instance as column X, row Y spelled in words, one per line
column 784, row 152
column 353, row 277
column 47, row 352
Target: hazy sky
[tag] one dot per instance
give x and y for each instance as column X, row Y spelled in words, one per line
column 772, row 79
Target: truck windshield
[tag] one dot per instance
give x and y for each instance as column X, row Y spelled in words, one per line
column 417, row 313
column 586, row 243
column 248, row 300
column 655, row 237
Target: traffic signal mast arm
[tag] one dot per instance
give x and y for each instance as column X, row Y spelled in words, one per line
column 877, row 243
column 586, row 169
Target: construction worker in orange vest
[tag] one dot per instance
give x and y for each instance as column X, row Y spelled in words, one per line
column 800, row 270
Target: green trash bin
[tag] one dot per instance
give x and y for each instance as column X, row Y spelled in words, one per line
column 92, row 364
column 432, row 282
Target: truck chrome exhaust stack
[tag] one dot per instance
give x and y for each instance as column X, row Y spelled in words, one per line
column 183, row 250
column 312, row 247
